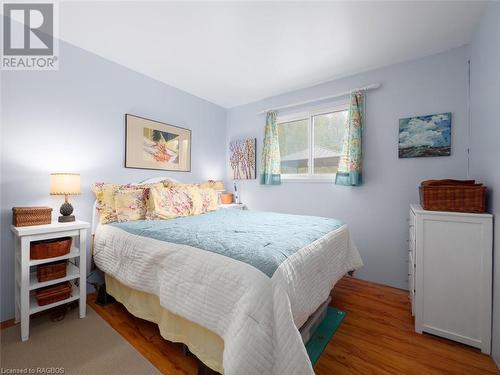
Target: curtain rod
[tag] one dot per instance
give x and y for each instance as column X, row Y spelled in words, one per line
column 364, row 88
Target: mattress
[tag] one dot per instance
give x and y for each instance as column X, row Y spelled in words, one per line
column 254, row 306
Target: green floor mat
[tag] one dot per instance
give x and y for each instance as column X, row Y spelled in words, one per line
column 324, row 333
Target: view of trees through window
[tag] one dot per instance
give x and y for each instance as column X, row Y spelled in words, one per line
column 324, row 133
column 294, row 146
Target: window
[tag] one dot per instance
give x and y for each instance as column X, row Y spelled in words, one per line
column 311, row 143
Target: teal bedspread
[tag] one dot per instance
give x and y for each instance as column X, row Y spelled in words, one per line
column 261, row 239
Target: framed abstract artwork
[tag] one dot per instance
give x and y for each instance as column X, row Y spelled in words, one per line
column 422, row 136
column 152, row 144
column 242, row 158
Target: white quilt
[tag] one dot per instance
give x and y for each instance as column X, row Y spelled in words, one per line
column 256, row 316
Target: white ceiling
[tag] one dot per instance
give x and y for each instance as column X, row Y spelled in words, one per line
column 239, row 52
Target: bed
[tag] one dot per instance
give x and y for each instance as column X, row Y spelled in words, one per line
column 232, row 285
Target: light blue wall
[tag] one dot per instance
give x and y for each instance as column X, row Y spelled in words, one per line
column 73, row 120
column 485, row 133
column 376, row 211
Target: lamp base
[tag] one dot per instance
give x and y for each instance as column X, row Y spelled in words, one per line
column 66, row 210
column 66, row 219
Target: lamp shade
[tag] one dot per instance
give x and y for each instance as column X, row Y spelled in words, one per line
column 218, row 185
column 64, row 184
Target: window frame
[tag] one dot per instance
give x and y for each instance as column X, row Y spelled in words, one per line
column 308, row 115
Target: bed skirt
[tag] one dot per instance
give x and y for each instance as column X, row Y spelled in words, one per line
column 203, row 343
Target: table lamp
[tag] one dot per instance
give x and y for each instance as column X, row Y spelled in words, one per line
column 218, row 186
column 65, row 184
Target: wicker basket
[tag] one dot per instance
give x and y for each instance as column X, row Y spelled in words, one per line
column 26, row 216
column 51, row 271
column 53, row 293
column 453, row 195
column 50, row 248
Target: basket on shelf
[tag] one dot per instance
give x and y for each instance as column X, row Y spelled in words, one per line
column 53, row 293
column 453, row 195
column 51, row 271
column 26, row 216
column 50, row 248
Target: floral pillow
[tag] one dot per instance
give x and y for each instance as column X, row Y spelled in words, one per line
column 105, row 196
column 209, row 199
column 169, row 202
column 203, row 197
column 196, row 199
column 130, row 204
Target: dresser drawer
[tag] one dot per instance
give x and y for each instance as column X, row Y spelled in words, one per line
column 411, row 263
column 411, row 242
column 411, row 259
column 411, row 231
column 411, row 218
column 411, row 281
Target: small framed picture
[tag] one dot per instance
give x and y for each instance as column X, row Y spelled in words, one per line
column 242, row 158
column 152, row 144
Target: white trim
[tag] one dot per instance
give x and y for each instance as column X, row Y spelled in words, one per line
column 365, row 88
column 308, row 116
column 311, row 145
column 316, row 178
column 417, row 208
column 469, row 117
column 314, row 111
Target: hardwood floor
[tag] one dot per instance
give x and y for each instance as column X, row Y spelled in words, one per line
column 376, row 337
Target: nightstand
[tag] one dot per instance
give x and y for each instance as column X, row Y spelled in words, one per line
column 26, row 281
column 235, row 206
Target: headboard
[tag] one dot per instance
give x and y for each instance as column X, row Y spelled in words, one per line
column 95, row 214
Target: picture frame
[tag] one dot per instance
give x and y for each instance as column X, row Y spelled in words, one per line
column 151, row 144
column 243, row 158
column 425, row 136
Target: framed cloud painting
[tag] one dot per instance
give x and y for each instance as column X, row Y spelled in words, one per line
column 152, row 144
column 242, row 158
column 422, row 136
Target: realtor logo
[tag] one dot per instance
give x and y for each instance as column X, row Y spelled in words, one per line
column 29, row 38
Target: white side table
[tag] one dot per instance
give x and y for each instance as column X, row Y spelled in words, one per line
column 26, row 281
column 235, row 206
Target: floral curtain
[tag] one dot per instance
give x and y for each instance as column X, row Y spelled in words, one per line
column 270, row 161
column 349, row 172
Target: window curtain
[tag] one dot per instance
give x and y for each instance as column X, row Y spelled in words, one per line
column 349, row 172
column 270, row 161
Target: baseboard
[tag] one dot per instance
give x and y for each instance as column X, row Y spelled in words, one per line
column 7, row 323
column 368, row 282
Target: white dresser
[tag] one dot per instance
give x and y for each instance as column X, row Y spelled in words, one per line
column 450, row 275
